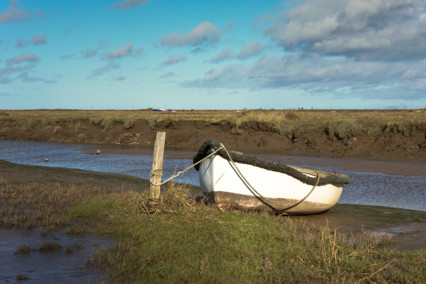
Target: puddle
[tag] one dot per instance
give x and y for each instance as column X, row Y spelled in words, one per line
column 410, row 237
column 406, row 228
column 61, row 266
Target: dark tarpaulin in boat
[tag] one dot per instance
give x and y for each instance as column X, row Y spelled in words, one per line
column 324, row 177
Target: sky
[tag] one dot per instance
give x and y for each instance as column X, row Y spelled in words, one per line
column 200, row 54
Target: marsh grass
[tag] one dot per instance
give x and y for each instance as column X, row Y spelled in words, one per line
column 79, row 230
column 22, row 249
column 338, row 123
column 188, row 241
column 25, row 205
column 69, row 250
column 49, row 246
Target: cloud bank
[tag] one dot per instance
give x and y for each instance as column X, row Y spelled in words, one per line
column 360, row 29
column 316, row 73
column 370, row 49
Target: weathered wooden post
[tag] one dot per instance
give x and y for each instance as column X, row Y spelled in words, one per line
column 157, row 167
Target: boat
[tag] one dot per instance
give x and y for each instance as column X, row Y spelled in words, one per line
column 233, row 180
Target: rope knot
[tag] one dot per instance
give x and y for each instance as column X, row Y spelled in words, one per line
column 158, row 172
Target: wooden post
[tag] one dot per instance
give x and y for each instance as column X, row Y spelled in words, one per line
column 157, row 165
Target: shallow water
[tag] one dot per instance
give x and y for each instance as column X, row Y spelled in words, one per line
column 50, row 267
column 367, row 188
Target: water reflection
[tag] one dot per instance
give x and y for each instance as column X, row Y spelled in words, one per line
column 407, row 192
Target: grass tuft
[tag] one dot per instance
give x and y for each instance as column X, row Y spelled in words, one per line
column 343, row 129
column 49, row 246
column 22, row 249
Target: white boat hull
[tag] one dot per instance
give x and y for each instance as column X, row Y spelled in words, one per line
column 219, row 180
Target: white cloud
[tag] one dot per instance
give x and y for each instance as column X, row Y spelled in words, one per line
column 21, row 43
column 39, row 39
column 127, row 4
column 361, row 29
column 24, row 57
column 224, row 54
column 104, row 69
column 19, row 68
column 35, row 40
column 121, row 51
column 90, row 52
column 253, row 48
column 203, row 34
column 25, row 77
column 174, row 59
column 13, row 14
column 167, row 75
column 67, row 56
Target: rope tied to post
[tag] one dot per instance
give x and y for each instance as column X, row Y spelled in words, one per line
column 156, row 172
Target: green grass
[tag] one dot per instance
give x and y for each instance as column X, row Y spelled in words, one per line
column 189, row 242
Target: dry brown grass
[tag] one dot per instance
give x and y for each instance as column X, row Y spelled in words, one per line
column 128, row 117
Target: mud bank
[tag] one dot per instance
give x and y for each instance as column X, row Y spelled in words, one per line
column 250, row 137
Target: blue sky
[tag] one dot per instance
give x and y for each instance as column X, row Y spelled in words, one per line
column 132, row 54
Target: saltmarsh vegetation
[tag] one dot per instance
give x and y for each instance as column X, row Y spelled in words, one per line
column 340, row 124
column 186, row 241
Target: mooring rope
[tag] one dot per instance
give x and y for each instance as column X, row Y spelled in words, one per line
column 160, row 172
column 270, row 204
